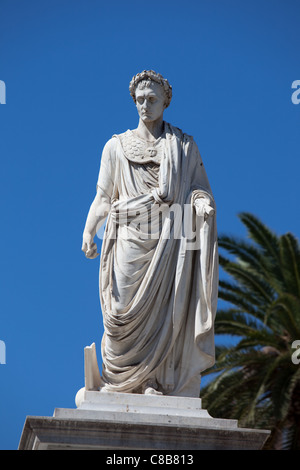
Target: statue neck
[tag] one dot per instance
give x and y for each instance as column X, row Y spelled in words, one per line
column 150, row 131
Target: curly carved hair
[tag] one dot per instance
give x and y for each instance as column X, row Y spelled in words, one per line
column 150, row 75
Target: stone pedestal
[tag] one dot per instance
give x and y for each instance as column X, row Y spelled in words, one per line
column 122, row 421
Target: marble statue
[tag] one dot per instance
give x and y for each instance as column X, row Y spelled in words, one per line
column 158, row 288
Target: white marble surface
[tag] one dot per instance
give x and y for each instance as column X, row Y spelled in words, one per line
column 142, row 409
column 158, row 290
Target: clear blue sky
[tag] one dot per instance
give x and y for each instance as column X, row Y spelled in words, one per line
column 67, row 67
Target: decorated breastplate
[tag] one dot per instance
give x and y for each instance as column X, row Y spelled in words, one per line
column 140, row 151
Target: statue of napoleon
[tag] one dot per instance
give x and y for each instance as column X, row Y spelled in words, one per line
column 158, row 293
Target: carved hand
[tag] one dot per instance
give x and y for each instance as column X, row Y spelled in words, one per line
column 88, row 246
column 203, row 207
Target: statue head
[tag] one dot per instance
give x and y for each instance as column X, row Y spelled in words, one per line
column 146, row 79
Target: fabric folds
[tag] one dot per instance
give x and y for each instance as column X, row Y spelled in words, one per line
column 159, row 270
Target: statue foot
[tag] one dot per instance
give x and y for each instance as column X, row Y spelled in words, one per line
column 148, row 390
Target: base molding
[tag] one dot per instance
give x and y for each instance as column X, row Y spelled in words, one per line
column 123, row 421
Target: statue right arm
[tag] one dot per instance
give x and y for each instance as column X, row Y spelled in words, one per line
column 101, row 205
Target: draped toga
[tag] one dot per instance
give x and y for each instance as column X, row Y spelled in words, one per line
column 158, row 292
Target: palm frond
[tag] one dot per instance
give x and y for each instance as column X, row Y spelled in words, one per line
column 262, row 235
column 253, row 283
column 290, row 261
column 233, row 321
column 283, row 316
column 242, row 250
column 255, row 380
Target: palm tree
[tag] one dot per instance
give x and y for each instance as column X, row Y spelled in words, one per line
column 257, row 378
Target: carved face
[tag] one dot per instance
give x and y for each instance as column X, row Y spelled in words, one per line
column 150, row 101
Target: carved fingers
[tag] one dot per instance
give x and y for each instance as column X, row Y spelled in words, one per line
column 89, row 247
column 203, row 208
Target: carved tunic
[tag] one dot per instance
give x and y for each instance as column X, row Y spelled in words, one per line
column 158, row 294
column 140, row 151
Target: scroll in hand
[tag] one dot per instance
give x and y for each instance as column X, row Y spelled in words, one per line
column 203, row 208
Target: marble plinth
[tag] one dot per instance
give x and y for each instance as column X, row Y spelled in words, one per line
column 130, row 421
